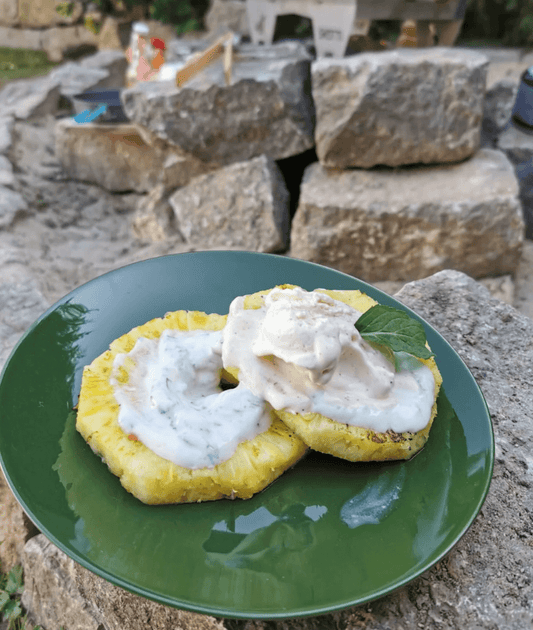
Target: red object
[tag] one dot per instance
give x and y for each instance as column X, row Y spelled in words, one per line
column 158, row 43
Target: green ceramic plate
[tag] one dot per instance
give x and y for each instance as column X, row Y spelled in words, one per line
column 327, row 535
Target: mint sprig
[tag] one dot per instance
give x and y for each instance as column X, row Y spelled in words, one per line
column 395, row 330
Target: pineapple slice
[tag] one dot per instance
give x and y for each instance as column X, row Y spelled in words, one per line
column 345, row 441
column 152, row 479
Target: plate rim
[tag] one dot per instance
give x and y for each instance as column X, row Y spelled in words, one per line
column 229, row 613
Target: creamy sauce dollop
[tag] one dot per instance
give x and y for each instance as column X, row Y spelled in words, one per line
column 302, row 353
column 173, row 404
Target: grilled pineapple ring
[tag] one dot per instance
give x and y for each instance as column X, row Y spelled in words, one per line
column 346, row 441
column 152, row 479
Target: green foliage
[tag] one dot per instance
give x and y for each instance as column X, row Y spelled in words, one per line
column 11, row 587
column 184, row 14
column 19, row 63
column 65, row 9
column 394, row 331
column 508, row 21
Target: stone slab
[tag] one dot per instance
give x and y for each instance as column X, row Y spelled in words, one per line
column 402, row 224
column 60, row 593
column 405, row 106
column 29, row 99
column 485, row 582
column 267, row 109
column 12, row 207
column 243, row 205
column 119, row 158
column 6, row 130
column 499, row 102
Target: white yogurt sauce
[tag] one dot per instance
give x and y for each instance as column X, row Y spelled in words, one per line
column 172, row 402
column 302, row 353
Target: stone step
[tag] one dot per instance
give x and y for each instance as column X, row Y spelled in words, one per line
column 403, row 224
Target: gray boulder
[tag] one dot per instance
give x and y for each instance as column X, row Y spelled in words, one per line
column 499, row 102
column 244, row 205
column 122, row 157
column 404, row 106
column 60, row 593
column 30, row 99
column 6, row 133
column 12, row 207
column 404, row 224
column 266, row 110
column 484, row 582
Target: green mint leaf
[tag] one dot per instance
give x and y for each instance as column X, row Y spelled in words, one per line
column 395, row 329
column 14, row 582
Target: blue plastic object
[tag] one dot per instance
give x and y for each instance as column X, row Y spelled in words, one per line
column 89, row 115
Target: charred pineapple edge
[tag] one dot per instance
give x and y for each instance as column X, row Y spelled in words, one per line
column 152, row 479
column 355, row 444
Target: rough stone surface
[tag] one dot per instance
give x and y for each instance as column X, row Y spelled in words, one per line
column 55, row 41
column 227, row 15
column 119, row 609
column 405, row 106
column 486, row 581
column 118, row 158
column 403, row 224
column 7, row 177
column 8, row 12
column 6, row 128
column 523, row 293
column 60, row 593
column 517, row 144
column 266, row 110
column 244, row 205
column 15, row 528
column 154, row 218
column 27, row 99
column 50, row 593
column 499, row 102
column 114, row 61
column 42, row 13
column 12, row 206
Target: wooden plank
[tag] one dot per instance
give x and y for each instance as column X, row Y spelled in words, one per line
column 210, row 54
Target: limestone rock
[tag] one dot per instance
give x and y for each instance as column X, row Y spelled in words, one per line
column 12, row 207
column 60, row 593
column 405, row 224
column 105, row 69
column 58, row 40
column 405, row 106
column 484, row 582
column 7, row 177
column 266, row 110
column 6, row 129
column 244, row 205
column 118, row 158
column 120, row 609
column 15, row 527
column 9, row 12
column 517, row 144
column 19, row 37
column 42, row 13
column 499, row 102
column 29, row 99
column 154, row 218
column 114, row 34
column 50, row 593
column 227, row 15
